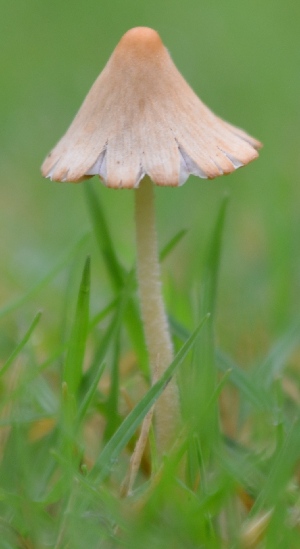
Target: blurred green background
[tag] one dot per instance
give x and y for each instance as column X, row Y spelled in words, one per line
column 242, row 59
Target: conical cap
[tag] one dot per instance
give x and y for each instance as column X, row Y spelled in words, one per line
column 142, row 118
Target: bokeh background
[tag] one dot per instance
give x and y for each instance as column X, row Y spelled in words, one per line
column 242, row 59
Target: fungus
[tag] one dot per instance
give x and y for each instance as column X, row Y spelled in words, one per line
column 140, row 124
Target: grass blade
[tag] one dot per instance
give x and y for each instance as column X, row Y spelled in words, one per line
column 89, row 394
column 114, row 268
column 117, row 274
column 122, row 436
column 72, row 373
column 169, row 247
column 254, row 394
column 107, row 340
column 112, row 403
column 22, row 343
column 204, row 374
column 281, row 470
column 280, row 352
column 103, row 314
column 211, row 270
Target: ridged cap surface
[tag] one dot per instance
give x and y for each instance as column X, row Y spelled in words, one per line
column 141, row 117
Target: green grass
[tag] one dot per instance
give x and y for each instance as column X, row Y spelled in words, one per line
column 67, row 434
column 74, row 372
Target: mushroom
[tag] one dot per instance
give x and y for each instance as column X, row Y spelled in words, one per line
column 140, row 124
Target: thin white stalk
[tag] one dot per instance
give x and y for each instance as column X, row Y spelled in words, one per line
column 160, row 348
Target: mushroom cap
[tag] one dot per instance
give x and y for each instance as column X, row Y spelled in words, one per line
column 142, row 118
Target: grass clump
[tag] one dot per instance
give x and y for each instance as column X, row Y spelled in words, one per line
column 71, row 415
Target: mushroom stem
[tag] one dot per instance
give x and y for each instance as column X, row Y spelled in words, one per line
column 158, row 339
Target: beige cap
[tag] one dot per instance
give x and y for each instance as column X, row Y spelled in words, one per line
column 142, row 118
